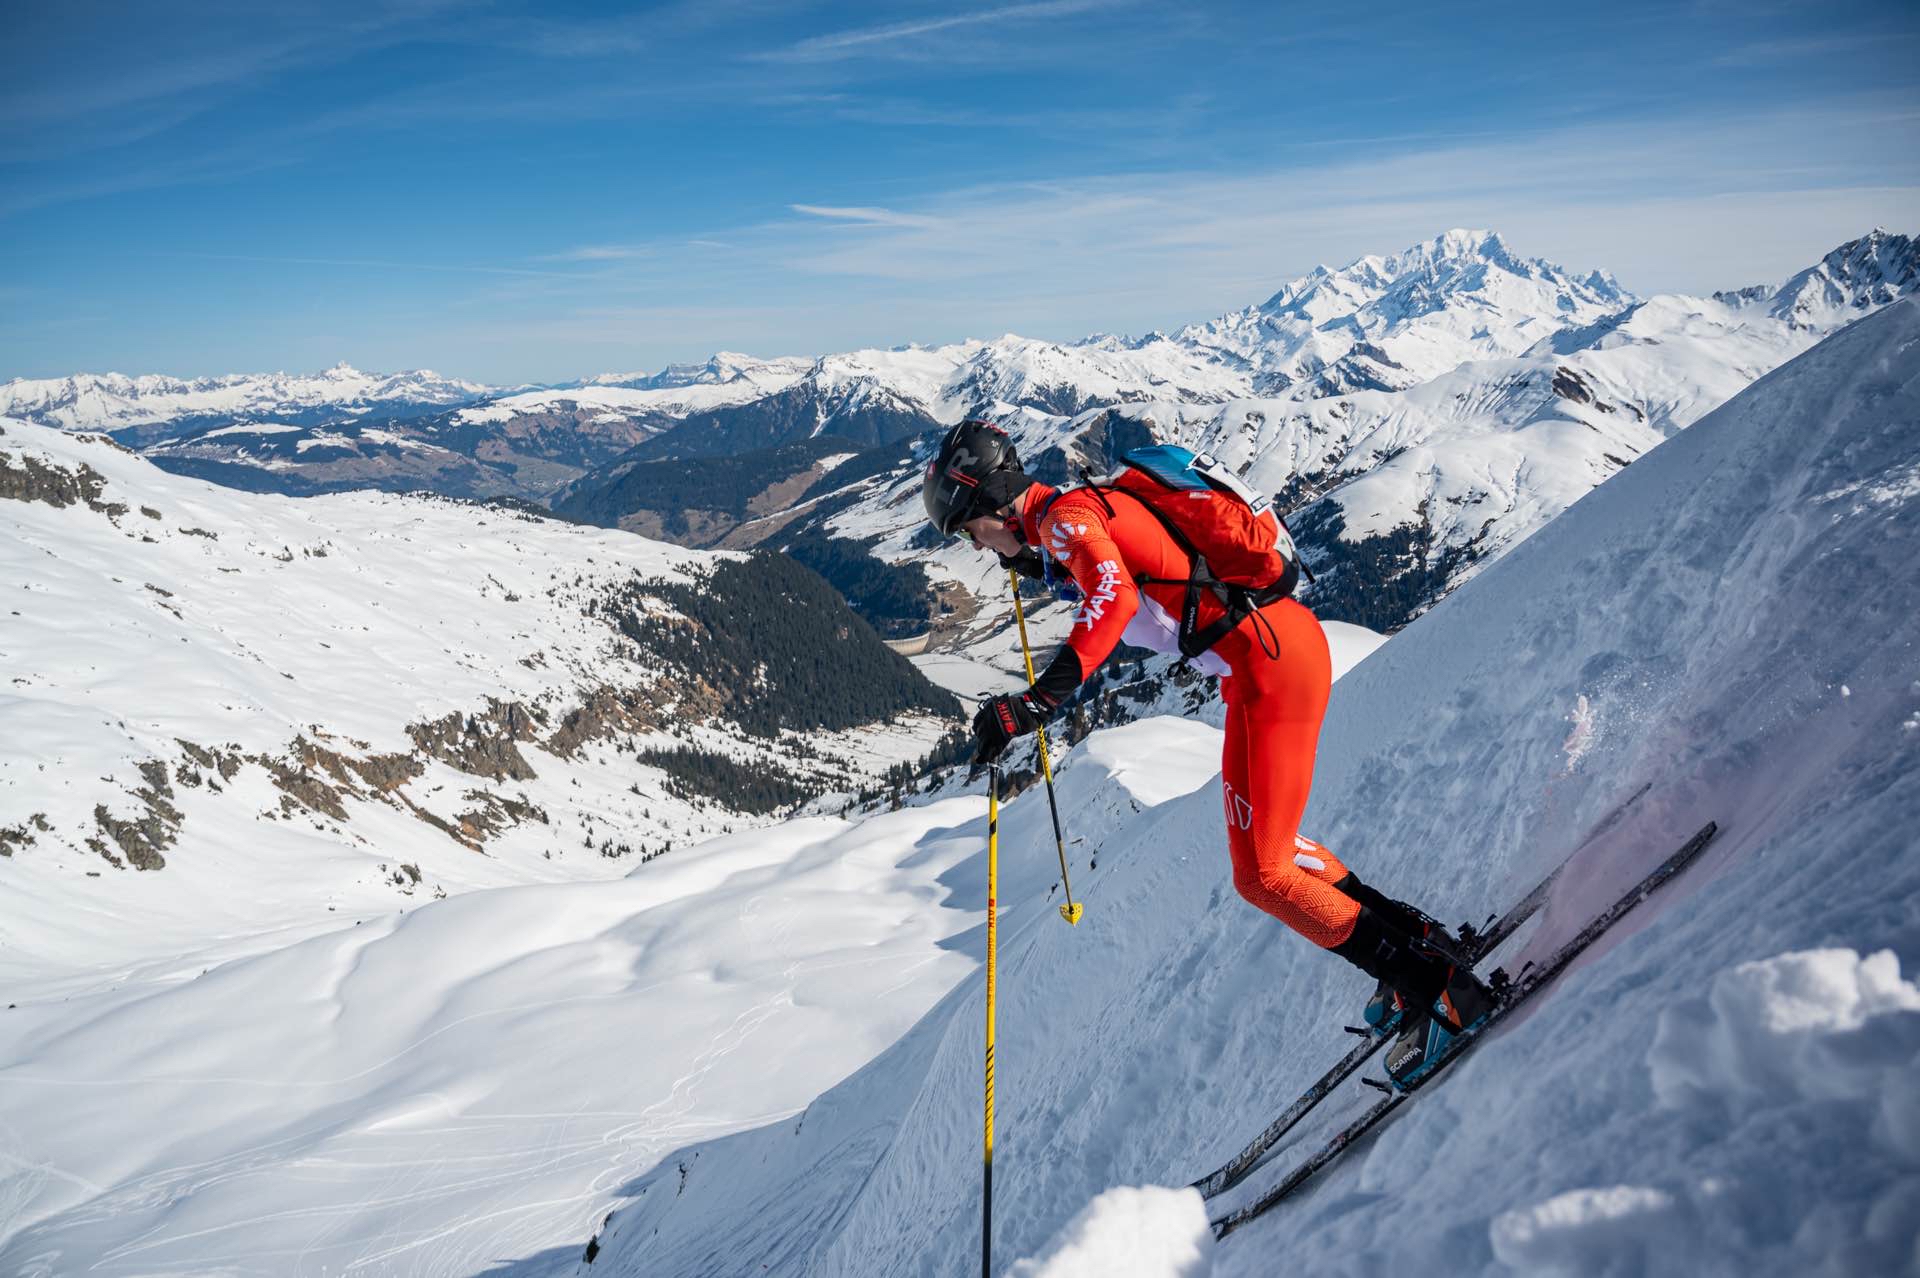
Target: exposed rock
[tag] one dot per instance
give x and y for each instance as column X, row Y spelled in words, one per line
column 493, row 814
column 27, row 478
column 319, row 777
column 300, row 785
column 441, row 823
column 385, row 772
column 606, row 712
column 20, row 836
column 480, row 744
column 226, row 762
column 144, row 838
column 1568, row 384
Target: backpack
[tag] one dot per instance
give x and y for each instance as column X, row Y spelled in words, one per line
column 1241, row 550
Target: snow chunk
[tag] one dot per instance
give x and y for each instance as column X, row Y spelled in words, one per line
column 1818, row 1024
column 1619, row 1229
column 1127, row 1232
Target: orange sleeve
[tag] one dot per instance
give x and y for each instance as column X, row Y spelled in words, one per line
column 1075, row 533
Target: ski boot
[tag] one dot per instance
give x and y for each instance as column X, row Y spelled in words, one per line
column 1410, row 974
column 1386, row 1010
column 1430, row 1034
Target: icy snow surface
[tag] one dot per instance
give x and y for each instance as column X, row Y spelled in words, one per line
column 1709, row 604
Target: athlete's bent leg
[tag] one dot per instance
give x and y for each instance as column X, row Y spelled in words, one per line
column 1266, row 773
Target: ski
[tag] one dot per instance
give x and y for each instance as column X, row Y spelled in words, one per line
column 1474, row 946
column 1531, row 980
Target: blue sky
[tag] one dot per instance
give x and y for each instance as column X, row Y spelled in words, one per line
column 537, row 192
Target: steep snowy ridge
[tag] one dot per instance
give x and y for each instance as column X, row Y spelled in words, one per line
column 1855, row 278
column 1729, row 1085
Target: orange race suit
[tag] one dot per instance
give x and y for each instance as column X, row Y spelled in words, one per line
column 1106, row 539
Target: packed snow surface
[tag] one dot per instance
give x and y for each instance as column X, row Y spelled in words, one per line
column 1740, row 611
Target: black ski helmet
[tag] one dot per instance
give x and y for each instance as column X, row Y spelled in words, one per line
column 975, row 473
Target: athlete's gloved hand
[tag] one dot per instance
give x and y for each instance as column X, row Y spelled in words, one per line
column 1026, row 563
column 1002, row 718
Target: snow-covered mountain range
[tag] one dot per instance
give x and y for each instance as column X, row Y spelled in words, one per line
column 1405, row 467
column 1421, row 412
column 154, row 404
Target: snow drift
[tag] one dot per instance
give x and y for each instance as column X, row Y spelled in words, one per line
column 1730, row 625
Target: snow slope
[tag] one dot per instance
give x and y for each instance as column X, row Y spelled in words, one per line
column 1728, row 1085
column 278, row 1050
column 295, row 710
column 447, row 1088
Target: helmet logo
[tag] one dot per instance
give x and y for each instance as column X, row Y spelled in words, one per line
column 957, row 465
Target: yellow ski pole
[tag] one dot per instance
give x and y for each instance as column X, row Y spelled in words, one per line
column 1071, row 910
column 993, row 892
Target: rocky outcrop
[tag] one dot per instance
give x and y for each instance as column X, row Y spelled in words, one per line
column 483, row 744
column 606, row 712
column 21, row 836
column 143, row 839
column 27, row 478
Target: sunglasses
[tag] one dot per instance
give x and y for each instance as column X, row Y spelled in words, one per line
column 966, row 532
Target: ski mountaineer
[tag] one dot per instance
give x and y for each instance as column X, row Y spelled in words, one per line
column 1275, row 677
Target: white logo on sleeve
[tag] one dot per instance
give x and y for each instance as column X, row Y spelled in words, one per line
column 1094, row 606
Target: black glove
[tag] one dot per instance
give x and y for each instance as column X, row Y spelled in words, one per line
column 1026, row 563
column 1002, row 718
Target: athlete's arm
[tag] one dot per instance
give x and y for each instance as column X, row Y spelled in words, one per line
column 1076, row 534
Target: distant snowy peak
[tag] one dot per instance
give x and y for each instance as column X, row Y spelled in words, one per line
column 114, row 401
column 1457, row 263
column 722, row 368
column 1384, row 323
column 1859, row 276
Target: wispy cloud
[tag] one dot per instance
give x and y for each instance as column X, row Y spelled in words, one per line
column 598, row 253
column 886, row 38
column 864, row 216
column 1760, row 53
column 1684, row 205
